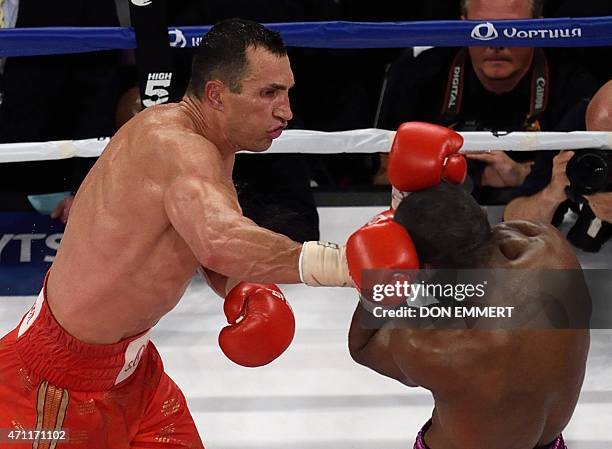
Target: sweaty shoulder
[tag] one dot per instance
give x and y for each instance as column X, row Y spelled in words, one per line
column 163, row 124
column 169, row 136
column 529, row 244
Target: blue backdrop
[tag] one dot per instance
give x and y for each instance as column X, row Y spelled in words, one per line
column 28, row 244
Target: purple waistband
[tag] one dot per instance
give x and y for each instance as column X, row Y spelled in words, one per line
column 419, row 443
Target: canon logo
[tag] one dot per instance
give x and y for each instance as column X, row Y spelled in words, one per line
column 540, row 89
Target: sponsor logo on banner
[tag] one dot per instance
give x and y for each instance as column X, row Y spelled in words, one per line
column 178, row 38
column 28, row 245
column 141, row 2
column 486, row 31
column 551, row 33
column 24, row 243
column 156, row 91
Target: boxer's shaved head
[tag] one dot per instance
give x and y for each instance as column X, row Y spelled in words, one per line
column 448, row 227
column 222, row 53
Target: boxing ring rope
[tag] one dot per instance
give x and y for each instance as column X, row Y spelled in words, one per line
column 574, row 32
column 593, row 31
column 362, row 141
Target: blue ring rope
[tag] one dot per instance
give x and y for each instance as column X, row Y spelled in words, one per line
column 582, row 32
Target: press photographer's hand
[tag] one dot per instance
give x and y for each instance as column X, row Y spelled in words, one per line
column 500, row 169
column 601, row 204
column 559, row 181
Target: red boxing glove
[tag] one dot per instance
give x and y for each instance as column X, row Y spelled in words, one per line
column 423, row 155
column 261, row 324
column 382, row 244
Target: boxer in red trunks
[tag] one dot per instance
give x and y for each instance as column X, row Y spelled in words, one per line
column 159, row 205
column 501, row 388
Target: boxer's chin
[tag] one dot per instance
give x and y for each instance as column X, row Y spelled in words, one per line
column 261, row 146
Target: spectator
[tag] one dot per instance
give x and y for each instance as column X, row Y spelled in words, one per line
column 494, row 93
column 544, row 195
column 54, row 97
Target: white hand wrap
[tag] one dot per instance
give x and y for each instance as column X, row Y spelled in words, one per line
column 397, row 196
column 323, row 264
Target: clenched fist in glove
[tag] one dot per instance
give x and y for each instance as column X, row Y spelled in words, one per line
column 381, row 244
column 422, row 156
column 261, row 324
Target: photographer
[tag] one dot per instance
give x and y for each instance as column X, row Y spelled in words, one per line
column 490, row 88
column 579, row 180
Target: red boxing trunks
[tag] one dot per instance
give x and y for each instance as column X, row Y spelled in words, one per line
column 76, row 395
column 558, row 443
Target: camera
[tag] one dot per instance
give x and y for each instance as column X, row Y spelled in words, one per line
column 589, row 171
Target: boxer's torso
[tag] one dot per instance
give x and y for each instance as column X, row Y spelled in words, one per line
column 513, row 390
column 121, row 265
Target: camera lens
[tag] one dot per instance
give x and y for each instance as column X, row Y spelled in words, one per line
column 587, row 172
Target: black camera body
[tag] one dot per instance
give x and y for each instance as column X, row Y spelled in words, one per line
column 589, row 171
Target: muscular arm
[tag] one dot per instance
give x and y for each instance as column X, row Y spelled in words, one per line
column 371, row 348
column 438, row 360
column 201, row 205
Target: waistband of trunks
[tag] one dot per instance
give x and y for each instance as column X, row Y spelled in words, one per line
column 66, row 362
column 419, row 443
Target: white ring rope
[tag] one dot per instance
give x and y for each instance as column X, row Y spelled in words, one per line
column 317, row 142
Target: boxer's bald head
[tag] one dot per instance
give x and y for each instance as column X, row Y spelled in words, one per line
column 599, row 112
column 448, row 227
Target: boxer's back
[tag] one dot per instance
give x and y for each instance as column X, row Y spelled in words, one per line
column 509, row 388
column 512, row 389
column 121, row 266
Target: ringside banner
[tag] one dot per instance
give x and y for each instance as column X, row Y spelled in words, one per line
column 28, row 245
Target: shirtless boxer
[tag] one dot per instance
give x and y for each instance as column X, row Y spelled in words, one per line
column 497, row 389
column 158, row 205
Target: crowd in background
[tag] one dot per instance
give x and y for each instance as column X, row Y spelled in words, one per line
column 91, row 95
